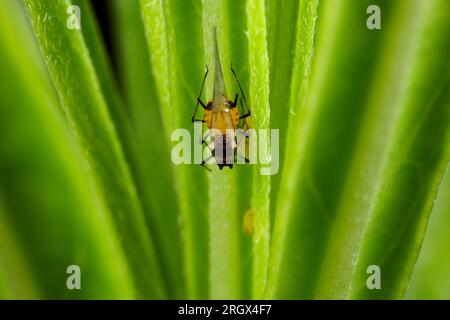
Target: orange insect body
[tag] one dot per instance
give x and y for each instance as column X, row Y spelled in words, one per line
column 223, row 119
column 220, row 119
column 222, row 116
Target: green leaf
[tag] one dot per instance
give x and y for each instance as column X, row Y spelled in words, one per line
column 86, row 175
column 174, row 38
column 280, row 270
column 225, row 242
column 417, row 155
column 85, row 107
column 282, row 19
column 139, row 90
column 259, row 100
column 50, row 214
column 346, row 122
column 430, row 278
column 389, row 83
column 16, row 280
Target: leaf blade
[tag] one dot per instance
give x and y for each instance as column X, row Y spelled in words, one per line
column 88, row 116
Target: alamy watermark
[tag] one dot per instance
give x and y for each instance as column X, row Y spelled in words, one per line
column 374, row 20
column 74, row 279
column 74, row 20
column 232, row 147
column 374, row 280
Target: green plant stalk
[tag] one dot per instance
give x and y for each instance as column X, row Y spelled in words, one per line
column 140, row 94
column 85, row 107
column 224, row 223
column 39, row 163
column 390, row 81
column 259, row 100
column 418, row 154
column 171, row 28
column 430, row 277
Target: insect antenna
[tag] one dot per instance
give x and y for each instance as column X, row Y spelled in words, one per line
column 219, row 83
column 246, row 113
column 199, row 101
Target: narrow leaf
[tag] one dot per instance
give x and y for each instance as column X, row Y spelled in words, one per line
column 430, row 278
column 173, row 30
column 414, row 166
column 259, row 100
column 224, row 219
column 51, row 217
column 390, row 81
column 80, row 94
column 139, row 90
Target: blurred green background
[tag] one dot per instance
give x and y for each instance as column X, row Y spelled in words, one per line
column 86, row 178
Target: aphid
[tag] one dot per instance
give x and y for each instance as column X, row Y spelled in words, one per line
column 223, row 117
column 248, row 222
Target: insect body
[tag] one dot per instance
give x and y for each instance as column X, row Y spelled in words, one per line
column 248, row 222
column 222, row 116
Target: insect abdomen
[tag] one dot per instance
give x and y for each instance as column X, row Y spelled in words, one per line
column 224, row 147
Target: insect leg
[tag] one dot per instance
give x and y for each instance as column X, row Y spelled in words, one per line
column 245, row 159
column 245, row 140
column 246, row 115
column 203, row 164
column 202, row 104
column 246, row 111
column 209, row 158
column 199, row 98
column 236, row 156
